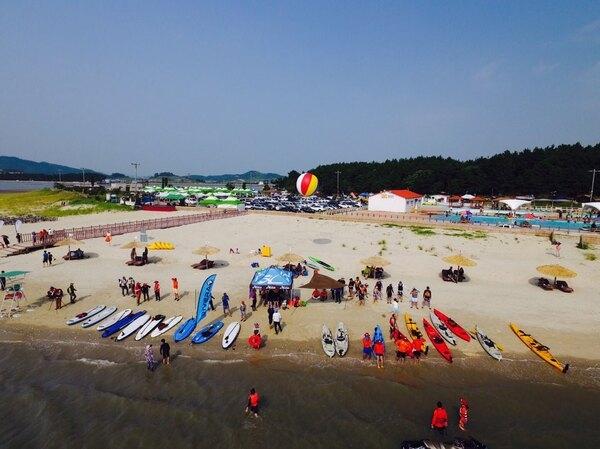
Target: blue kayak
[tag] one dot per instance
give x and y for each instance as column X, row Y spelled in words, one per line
column 378, row 336
column 122, row 323
column 185, row 330
column 208, row 332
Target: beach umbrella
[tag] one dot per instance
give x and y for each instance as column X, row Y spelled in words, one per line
column 322, row 281
column 206, row 250
column 68, row 242
column 133, row 244
column 375, row 261
column 556, row 271
column 290, row 257
column 460, row 260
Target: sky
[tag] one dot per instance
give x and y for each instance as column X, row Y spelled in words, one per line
column 215, row 87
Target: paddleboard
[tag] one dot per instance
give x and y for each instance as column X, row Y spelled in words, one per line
column 453, row 326
column 342, row 339
column 541, row 350
column 207, row 332
column 166, row 325
column 149, row 326
column 84, row 315
column 99, row 317
column 231, row 333
column 133, row 326
column 113, row 319
column 185, row 330
column 122, row 323
column 442, row 329
column 437, row 340
column 322, row 263
column 487, row 344
column 414, row 332
column 314, row 266
column 327, row 341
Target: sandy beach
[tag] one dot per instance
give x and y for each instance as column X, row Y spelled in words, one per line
column 501, row 288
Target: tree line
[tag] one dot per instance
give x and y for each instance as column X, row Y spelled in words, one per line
column 553, row 172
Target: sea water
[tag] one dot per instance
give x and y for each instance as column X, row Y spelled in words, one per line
column 90, row 392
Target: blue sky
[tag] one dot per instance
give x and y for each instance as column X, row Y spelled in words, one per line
column 202, row 87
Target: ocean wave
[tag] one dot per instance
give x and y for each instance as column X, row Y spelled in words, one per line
column 96, row 362
column 223, row 362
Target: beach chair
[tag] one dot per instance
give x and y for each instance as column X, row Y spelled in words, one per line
column 545, row 284
column 563, row 287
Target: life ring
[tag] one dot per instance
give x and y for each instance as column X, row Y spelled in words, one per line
column 255, row 341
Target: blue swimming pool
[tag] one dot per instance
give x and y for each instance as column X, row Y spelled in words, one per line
column 498, row 221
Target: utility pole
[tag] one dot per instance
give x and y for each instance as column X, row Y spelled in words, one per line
column 135, row 164
column 59, row 177
column 338, row 182
column 83, row 172
column 593, row 172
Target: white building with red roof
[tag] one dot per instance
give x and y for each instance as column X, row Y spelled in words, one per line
column 395, row 201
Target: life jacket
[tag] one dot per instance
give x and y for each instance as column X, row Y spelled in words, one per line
column 463, row 413
column 417, row 344
column 378, row 347
column 440, row 418
column 366, row 342
column 254, row 399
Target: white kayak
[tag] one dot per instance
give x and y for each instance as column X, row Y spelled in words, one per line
column 231, row 334
column 84, row 315
column 488, row 344
column 113, row 319
column 149, row 326
column 342, row 339
column 327, row 341
column 99, row 317
column 443, row 330
column 166, row 325
column 133, row 326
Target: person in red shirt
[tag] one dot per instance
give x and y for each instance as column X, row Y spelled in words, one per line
column 417, row 348
column 253, row 403
column 379, row 350
column 439, row 420
column 367, row 342
column 463, row 412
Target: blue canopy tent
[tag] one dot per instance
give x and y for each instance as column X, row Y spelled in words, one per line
column 273, row 277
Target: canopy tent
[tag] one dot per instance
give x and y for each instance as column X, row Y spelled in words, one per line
column 595, row 205
column 321, row 281
column 514, row 204
column 273, row 277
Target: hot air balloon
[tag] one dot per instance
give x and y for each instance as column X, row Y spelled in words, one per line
column 307, row 184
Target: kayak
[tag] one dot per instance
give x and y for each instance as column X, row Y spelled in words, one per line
column 540, row 349
column 323, row 264
column 207, row 332
column 414, row 332
column 442, row 329
column 342, row 339
column 378, row 336
column 327, row 341
column 437, row 341
column 458, row 330
column 487, row 344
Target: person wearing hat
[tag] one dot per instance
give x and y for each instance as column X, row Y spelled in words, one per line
column 463, row 414
column 367, row 343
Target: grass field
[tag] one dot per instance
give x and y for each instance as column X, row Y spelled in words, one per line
column 54, row 203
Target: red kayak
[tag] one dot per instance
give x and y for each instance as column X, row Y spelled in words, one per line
column 453, row 326
column 437, row 340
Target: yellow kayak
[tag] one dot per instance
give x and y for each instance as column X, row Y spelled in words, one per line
column 538, row 348
column 414, row 332
column 161, row 245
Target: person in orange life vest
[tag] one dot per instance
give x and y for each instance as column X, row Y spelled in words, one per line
column 463, row 414
column 439, row 420
column 417, row 347
column 403, row 347
column 393, row 325
column 366, row 341
column 379, row 350
column 252, row 402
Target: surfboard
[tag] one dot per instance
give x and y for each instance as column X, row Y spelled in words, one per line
column 149, row 326
column 327, row 341
column 458, row 330
column 342, row 339
column 113, row 319
column 540, row 349
column 442, row 329
column 488, row 344
column 133, row 326
column 84, row 315
column 377, row 336
column 231, row 333
column 166, row 325
column 437, row 340
column 322, row 263
column 207, row 332
column 99, row 317
column 122, row 323
column 185, row 330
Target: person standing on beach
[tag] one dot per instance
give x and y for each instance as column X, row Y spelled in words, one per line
column 225, row 303
column 71, row 291
column 557, row 249
column 277, row 321
column 149, row 357
column 414, row 298
column 351, row 288
column 439, row 420
column 131, row 286
column 33, row 237
column 45, row 258
column 270, row 312
column 252, row 297
column 243, row 311
column 253, row 403
column 379, row 350
column 165, row 351
column 400, row 291
column 137, row 291
column 123, row 285
column 146, row 291
column 367, row 343
column 463, row 413
column 393, row 325
column 426, row 298
column 50, row 258
column 389, row 292
column 156, row 291
column 175, row 284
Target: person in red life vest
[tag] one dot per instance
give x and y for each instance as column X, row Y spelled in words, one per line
column 463, row 414
column 417, row 348
column 379, row 350
column 323, row 295
column 439, row 420
column 393, row 325
column 252, row 403
column 366, row 341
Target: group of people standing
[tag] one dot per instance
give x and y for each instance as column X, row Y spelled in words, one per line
column 139, row 290
column 439, row 419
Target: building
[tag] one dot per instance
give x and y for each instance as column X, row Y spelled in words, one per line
column 395, row 201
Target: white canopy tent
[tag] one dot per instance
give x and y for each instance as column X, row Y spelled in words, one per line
column 514, row 204
column 595, row 205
